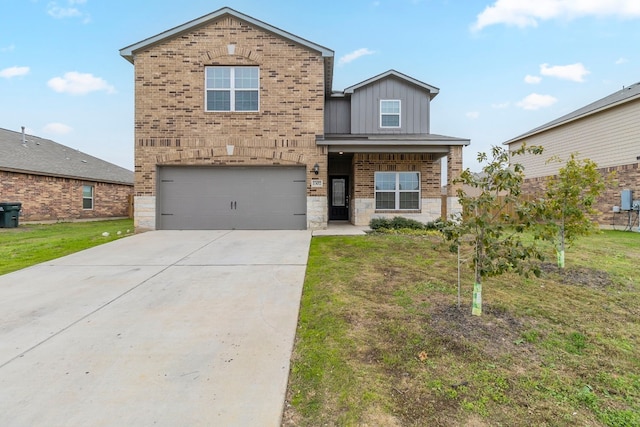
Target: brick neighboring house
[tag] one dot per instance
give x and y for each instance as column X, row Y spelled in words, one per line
column 237, row 126
column 606, row 131
column 57, row 183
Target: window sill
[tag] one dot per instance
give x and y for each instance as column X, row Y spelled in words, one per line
column 404, row 211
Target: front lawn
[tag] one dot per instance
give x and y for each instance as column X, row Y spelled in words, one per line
column 31, row 244
column 381, row 342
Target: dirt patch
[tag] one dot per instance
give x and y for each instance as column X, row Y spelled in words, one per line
column 416, row 406
column 578, row 276
column 496, row 332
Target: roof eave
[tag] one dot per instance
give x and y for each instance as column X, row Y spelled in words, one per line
column 391, row 142
column 433, row 91
column 58, row 175
column 545, row 128
column 129, row 51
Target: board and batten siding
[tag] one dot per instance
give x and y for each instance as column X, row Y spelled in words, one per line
column 337, row 116
column 609, row 138
column 365, row 108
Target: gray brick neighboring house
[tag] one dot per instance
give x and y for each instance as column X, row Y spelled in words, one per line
column 237, row 125
column 606, row 131
column 57, row 183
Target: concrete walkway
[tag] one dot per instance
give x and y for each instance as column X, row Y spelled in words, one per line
column 342, row 228
column 166, row 328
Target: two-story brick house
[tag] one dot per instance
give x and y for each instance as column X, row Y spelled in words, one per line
column 237, row 126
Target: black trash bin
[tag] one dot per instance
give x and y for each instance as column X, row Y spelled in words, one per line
column 9, row 213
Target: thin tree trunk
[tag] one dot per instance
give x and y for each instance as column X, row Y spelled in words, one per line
column 476, row 308
column 561, row 251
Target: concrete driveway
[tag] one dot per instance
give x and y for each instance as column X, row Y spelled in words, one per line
column 167, row 328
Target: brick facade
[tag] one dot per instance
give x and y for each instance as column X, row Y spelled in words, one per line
column 47, row 198
column 626, row 177
column 172, row 127
column 366, row 165
column 454, row 169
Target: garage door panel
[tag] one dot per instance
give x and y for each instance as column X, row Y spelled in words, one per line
column 232, row 198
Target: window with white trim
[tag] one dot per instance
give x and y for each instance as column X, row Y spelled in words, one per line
column 232, row 88
column 397, row 190
column 389, row 113
column 87, row 197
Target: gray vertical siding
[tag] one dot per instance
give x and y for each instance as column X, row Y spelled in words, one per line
column 337, row 116
column 365, row 106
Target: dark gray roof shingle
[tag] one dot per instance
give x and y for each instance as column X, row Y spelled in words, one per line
column 45, row 157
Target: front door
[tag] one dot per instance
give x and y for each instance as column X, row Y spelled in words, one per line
column 339, row 198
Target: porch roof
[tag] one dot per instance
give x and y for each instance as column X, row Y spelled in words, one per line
column 423, row 143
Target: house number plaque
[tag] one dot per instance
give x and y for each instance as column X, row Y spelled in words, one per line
column 317, row 183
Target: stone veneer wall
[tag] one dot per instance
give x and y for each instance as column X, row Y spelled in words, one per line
column 47, row 198
column 172, row 128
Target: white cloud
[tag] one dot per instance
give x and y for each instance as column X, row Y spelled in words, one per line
column 68, row 10
column 573, row 72
column 79, row 84
column 473, row 115
column 9, row 48
column 621, row 61
column 536, row 101
column 532, row 80
column 523, row 14
column 57, row 129
column 501, row 105
column 355, row 55
column 10, row 72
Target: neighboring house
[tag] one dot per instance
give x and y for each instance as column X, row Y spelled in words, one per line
column 606, row 131
column 58, row 183
column 237, row 126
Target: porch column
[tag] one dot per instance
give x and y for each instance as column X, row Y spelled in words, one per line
column 454, row 169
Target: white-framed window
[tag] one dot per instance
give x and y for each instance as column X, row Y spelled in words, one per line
column 232, row 88
column 397, row 190
column 87, row 197
column 389, row 113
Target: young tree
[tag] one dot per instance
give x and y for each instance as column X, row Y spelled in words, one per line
column 568, row 203
column 493, row 221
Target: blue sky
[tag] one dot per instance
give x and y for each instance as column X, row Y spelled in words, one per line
column 503, row 66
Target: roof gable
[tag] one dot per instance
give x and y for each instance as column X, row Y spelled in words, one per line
column 129, row 52
column 44, row 157
column 623, row 96
column 432, row 90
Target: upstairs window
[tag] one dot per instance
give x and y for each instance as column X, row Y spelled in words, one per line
column 87, row 197
column 397, row 190
column 390, row 113
column 232, row 88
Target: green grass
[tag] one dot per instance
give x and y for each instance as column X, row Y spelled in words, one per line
column 31, row 244
column 380, row 340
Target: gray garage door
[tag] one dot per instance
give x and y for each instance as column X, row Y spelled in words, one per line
column 227, row 198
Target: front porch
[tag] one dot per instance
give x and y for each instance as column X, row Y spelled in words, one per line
column 355, row 195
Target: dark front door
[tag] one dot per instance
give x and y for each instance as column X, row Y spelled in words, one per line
column 339, row 198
